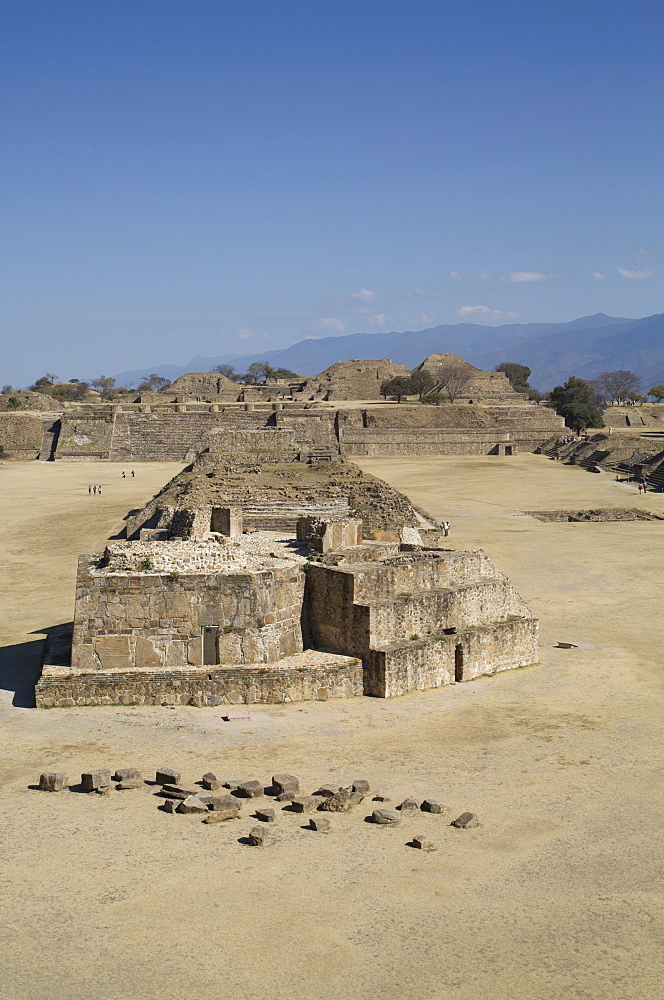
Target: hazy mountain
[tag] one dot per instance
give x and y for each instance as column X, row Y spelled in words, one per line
column 554, row 351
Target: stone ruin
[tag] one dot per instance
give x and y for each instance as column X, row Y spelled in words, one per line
column 208, row 615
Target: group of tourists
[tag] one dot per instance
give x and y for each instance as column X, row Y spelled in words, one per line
column 568, row 439
column 124, row 473
column 643, row 486
column 95, row 490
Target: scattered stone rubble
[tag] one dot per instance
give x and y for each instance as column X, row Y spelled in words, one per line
column 199, row 800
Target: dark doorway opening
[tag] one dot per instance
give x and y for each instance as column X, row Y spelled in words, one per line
column 210, row 652
column 508, row 449
column 458, row 664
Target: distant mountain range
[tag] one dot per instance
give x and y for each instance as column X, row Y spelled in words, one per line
column 553, row 351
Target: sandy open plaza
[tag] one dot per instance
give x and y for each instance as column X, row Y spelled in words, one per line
column 557, row 893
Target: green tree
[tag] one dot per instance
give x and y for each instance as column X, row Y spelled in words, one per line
column 399, row 386
column 657, row 391
column 578, row 416
column 574, row 390
column 578, row 402
column 517, row 375
column 285, row 373
column 258, row 371
column 105, row 385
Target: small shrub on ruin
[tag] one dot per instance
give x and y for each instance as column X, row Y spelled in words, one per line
column 414, row 637
column 174, row 575
column 229, row 628
column 147, row 563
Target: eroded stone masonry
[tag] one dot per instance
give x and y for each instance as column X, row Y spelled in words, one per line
column 272, row 569
column 203, row 617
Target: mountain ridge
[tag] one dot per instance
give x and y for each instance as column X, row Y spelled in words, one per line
column 553, row 351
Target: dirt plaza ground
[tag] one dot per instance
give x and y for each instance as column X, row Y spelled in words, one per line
column 556, row 894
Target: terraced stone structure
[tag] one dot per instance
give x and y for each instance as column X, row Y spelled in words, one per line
column 265, row 618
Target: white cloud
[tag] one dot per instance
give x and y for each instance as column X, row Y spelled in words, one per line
column 454, row 274
column 245, row 333
column 484, row 313
column 364, row 295
column 626, row 273
column 426, row 318
column 332, row 323
column 484, row 275
column 519, row 277
column 378, row 319
column 598, row 275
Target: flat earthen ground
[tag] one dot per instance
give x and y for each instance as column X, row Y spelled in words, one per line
column 556, row 894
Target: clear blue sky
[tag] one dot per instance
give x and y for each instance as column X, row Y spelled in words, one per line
column 187, row 177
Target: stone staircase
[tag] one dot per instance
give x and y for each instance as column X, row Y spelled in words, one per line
column 156, row 437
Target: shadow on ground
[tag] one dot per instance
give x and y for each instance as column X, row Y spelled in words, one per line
column 20, row 668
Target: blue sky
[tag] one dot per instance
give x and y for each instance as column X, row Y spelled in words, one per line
column 186, row 177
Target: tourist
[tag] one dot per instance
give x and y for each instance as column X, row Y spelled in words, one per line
column 94, row 490
column 89, row 489
column 99, row 490
column 640, row 487
column 446, row 528
column 132, row 473
column 124, row 474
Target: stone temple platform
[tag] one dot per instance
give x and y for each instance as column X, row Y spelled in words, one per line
column 205, row 618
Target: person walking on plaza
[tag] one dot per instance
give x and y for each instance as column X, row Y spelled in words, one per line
column 132, row 473
column 124, row 474
column 99, row 490
column 446, row 528
column 89, row 490
column 94, row 490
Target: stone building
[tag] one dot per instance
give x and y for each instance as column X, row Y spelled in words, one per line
column 453, row 375
column 206, row 618
column 349, row 380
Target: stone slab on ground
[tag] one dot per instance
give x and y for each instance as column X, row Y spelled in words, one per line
column 168, row 776
column 53, row 781
column 465, row 821
column 92, row 780
column 385, row 817
column 126, row 773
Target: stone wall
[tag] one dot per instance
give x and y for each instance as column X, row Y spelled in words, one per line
column 151, row 621
column 417, row 665
column 86, row 433
column 360, row 379
column 310, row 677
column 455, row 615
column 20, row 435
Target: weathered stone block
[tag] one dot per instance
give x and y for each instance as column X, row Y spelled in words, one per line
column 170, row 806
column 465, row 821
column 422, row 843
column 361, row 786
column 114, row 651
column 129, row 783
column 168, row 776
column 305, row 803
column 92, row 780
column 320, row 824
column 221, row 815
column 178, row 791
column 265, row 815
column 286, row 796
column 385, row 817
column 339, row 802
column 250, row 789
column 431, row 806
column 258, row 836
column 146, row 654
column 285, row 783
column 211, row 782
column 127, row 773
column 192, row 804
column 222, row 803
column 53, row 781
column 408, row 805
